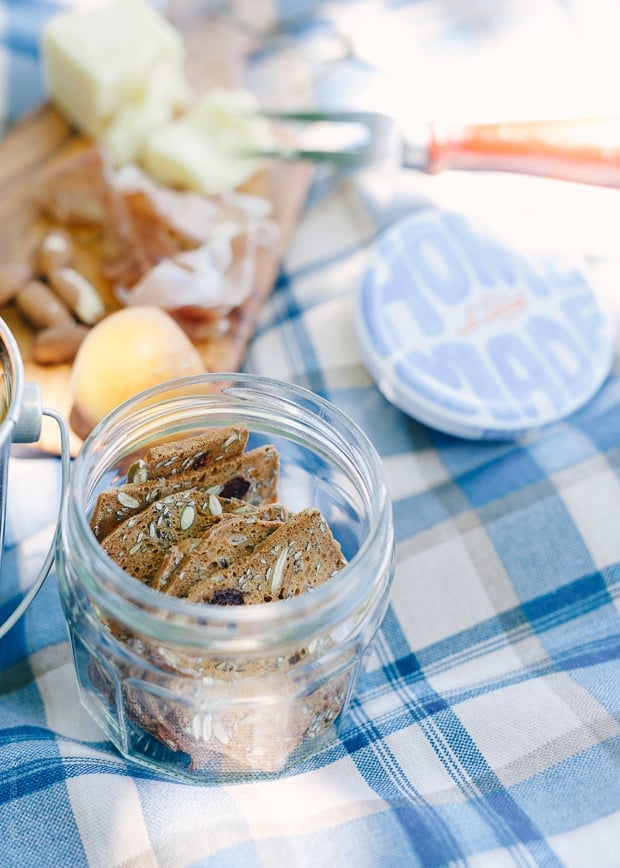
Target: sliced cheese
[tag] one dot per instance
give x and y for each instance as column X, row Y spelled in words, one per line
column 204, row 149
column 115, row 62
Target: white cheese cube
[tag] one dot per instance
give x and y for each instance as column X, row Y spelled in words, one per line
column 203, row 150
column 100, row 61
column 124, row 136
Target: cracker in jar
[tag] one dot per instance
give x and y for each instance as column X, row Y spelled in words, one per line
column 190, row 453
column 251, row 476
column 222, row 544
column 139, row 544
column 300, row 555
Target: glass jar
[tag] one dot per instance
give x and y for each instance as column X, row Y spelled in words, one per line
column 207, row 693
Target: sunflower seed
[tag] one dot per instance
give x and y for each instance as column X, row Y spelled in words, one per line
column 202, row 726
column 230, row 440
column 127, row 500
column 138, row 472
column 187, row 517
column 278, row 572
column 215, row 507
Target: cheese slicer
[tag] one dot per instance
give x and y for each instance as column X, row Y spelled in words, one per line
column 582, row 149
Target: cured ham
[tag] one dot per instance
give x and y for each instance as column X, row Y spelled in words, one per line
column 170, row 248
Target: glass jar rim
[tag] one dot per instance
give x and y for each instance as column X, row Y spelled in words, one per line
column 187, row 623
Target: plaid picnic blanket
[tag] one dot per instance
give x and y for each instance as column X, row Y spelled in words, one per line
column 485, row 730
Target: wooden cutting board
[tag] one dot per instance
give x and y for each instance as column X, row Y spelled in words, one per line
column 217, row 53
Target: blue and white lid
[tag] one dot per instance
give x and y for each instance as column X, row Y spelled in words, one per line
column 475, row 337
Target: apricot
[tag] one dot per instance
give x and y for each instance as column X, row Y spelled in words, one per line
column 128, row 351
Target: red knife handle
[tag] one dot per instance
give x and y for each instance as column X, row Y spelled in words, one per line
column 585, row 150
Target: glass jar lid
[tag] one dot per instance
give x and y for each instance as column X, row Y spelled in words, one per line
column 476, row 337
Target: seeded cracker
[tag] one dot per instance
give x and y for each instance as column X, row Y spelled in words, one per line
column 222, row 545
column 299, row 555
column 168, row 459
column 251, row 476
column 139, row 544
column 245, row 525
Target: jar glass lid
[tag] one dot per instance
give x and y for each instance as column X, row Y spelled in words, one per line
column 475, row 337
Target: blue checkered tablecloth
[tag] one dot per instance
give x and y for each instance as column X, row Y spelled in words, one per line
column 485, row 730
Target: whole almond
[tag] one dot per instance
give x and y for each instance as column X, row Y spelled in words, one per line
column 58, row 344
column 13, row 275
column 40, row 306
column 78, row 293
column 56, row 250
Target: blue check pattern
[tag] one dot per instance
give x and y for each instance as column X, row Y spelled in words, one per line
column 485, row 730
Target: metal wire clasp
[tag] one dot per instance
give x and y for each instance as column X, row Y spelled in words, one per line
column 28, row 430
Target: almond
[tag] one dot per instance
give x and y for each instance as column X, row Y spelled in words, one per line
column 56, row 250
column 58, row 344
column 41, row 307
column 78, row 293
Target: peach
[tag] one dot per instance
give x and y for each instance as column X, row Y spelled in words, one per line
column 128, row 351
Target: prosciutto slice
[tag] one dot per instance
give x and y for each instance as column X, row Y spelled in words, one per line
column 174, row 249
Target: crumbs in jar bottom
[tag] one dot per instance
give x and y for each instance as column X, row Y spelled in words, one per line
column 199, row 519
column 233, row 731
